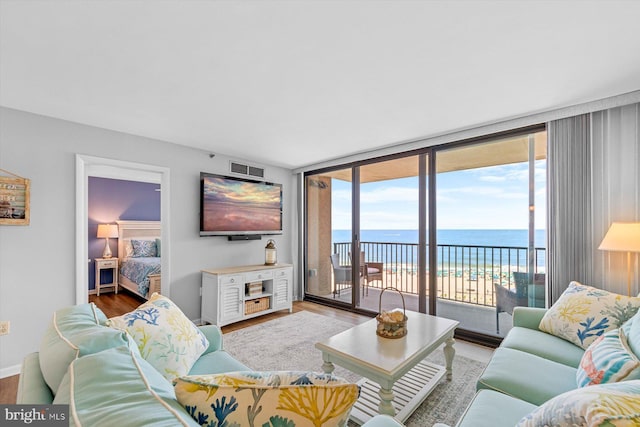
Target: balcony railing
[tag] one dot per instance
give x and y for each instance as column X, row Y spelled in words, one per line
column 466, row 273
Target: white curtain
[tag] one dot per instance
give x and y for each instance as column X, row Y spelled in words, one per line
column 593, row 179
column 569, row 223
column 615, row 136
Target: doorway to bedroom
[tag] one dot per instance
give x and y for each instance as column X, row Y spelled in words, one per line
column 116, row 207
column 131, row 202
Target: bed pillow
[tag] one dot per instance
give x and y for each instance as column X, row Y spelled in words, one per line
column 128, row 248
column 158, row 247
column 607, row 360
column 583, row 313
column 143, row 248
column 116, row 387
column 74, row 332
column 602, row 405
column 167, row 339
column 282, row 398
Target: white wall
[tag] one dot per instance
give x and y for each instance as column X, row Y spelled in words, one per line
column 37, row 262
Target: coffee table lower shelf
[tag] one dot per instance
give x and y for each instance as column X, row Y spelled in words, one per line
column 409, row 392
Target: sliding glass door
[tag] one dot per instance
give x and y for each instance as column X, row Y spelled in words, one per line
column 389, row 236
column 490, row 230
column 328, row 230
column 457, row 230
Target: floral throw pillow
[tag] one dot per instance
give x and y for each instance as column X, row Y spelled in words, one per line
column 267, row 399
column 144, row 248
column 607, row 360
column 605, row 405
column 167, row 339
column 583, row 313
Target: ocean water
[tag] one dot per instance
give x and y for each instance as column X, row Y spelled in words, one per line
column 515, row 238
column 381, row 247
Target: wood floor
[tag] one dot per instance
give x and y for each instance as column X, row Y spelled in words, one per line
column 116, row 305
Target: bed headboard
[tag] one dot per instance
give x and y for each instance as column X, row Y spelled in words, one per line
column 142, row 230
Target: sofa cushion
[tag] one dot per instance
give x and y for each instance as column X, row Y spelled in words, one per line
column 490, row 409
column 583, row 313
column 544, row 345
column 609, row 405
column 165, row 336
column 526, row 376
column 116, row 387
column 608, row 360
column 267, row 398
column 32, row 388
column 74, row 332
column 216, row 362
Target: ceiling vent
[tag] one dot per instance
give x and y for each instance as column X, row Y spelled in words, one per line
column 246, row 170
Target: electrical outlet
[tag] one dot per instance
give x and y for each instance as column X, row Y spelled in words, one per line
column 4, row 327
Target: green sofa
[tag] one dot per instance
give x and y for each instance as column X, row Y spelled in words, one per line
column 528, row 369
column 109, row 381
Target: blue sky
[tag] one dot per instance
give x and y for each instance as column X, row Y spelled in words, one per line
column 491, row 198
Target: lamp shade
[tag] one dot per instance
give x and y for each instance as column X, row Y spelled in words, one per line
column 107, row 230
column 623, row 237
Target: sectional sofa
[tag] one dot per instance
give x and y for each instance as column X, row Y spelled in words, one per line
column 108, row 377
column 537, row 378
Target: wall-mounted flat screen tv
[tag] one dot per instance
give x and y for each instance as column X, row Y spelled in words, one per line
column 236, row 206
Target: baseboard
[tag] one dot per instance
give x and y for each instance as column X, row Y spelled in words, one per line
column 10, row 371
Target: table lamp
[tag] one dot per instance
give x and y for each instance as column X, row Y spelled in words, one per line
column 104, row 232
column 623, row 237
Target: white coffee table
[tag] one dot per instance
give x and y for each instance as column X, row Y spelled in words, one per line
column 402, row 378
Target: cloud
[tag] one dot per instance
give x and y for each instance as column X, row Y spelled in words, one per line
column 493, row 178
column 389, row 194
column 406, row 220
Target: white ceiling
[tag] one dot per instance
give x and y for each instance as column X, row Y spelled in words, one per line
column 292, row 83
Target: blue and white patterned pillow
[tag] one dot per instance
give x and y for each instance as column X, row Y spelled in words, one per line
column 583, row 313
column 632, row 331
column 608, row 360
column 158, row 247
column 144, row 248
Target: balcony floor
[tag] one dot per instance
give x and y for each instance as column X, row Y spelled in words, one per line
column 473, row 317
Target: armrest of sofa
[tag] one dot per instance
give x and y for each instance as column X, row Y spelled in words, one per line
column 32, row 388
column 214, row 336
column 382, row 421
column 528, row 317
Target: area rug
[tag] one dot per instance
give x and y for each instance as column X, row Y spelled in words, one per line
column 288, row 343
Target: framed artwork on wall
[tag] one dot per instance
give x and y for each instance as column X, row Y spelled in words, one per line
column 14, row 199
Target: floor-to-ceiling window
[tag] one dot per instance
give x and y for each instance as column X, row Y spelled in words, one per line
column 490, row 230
column 328, row 218
column 452, row 227
column 389, row 239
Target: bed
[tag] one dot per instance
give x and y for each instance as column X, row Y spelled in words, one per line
column 140, row 275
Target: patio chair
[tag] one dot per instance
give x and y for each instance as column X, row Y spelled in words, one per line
column 526, row 295
column 372, row 271
column 369, row 271
column 341, row 275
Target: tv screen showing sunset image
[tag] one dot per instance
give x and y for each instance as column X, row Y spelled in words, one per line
column 236, row 205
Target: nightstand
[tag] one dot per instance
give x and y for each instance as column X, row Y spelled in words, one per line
column 107, row 264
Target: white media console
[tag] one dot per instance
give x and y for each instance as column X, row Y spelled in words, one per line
column 228, row 294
